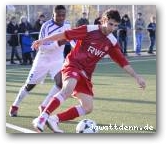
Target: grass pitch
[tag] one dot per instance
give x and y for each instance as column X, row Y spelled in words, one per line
column 119, row 105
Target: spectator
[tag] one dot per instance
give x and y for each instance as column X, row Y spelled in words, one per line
column 24, row 26
column 12, row 28
column 83, row 20
column 139, row 27
column 98, row 19
column 38, row 25
column 152, row 33
column 123, row 30
column 37, row 28
column 26, row 48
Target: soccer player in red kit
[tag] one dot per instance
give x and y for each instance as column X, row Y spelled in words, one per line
column 94, row 42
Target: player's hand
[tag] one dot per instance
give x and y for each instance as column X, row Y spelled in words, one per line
column 141, row 82
column 36, row 44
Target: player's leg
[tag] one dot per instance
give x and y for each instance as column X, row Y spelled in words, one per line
column 55, row 89
column 67, row 89
column 85, row 107
column 55, row 73
column 83, row 91
column 23, row 92
column 36, row 75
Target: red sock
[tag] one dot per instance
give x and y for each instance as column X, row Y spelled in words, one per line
column 52, row 105
column 69, row 114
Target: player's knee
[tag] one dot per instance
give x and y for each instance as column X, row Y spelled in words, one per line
column 29, row 87
column 68, row 87
column 66, row 93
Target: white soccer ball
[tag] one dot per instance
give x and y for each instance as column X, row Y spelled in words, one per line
column 86, row 126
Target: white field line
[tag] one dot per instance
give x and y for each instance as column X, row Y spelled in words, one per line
column 129, row 61
column 24, row 130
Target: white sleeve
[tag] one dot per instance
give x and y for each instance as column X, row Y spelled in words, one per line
column 73, row 43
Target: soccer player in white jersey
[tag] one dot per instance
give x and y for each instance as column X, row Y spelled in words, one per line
column 49, row 59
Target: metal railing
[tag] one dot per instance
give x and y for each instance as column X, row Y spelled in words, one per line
column 130, row 47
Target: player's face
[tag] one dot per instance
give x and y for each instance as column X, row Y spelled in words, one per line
column 111, row 25
column 59, row 17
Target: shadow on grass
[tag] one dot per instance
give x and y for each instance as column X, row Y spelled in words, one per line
column 34, row 93
column 26, row 116
column 13, row 85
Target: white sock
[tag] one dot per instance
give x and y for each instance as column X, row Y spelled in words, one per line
column 20, row 96
column 59, row 97
column 44, row 115
column 52, row 92
column 80, row 110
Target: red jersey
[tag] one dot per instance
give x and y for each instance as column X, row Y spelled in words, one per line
column 92, row 45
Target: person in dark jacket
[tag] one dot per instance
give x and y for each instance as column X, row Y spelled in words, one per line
column 98, row 19
column 139, row 33
column 12, row 28
column 37, row 28
column 83, row 20
column 152, row 33
column 38, row 25
column 122, row 34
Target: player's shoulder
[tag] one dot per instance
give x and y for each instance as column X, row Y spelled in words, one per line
column 92, row 28
column 112, row 39
column 48, row 23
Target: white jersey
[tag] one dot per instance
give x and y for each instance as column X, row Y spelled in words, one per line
column 50, row 28
column 49, row 58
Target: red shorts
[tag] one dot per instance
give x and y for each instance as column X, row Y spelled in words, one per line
column 84, row 85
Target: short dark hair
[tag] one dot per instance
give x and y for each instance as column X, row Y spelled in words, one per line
column 13, row 17
column 113, row 14
column 59, row 7
column 42, row 15
column 125, row 16
column 84, row 13
column 140, row 13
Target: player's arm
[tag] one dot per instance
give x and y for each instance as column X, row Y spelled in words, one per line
column 56, row 37
column 49, row 45
column 120, row 59
column 76, row 34
column 138, row 78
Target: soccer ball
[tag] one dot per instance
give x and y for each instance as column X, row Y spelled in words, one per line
column 86, row 126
